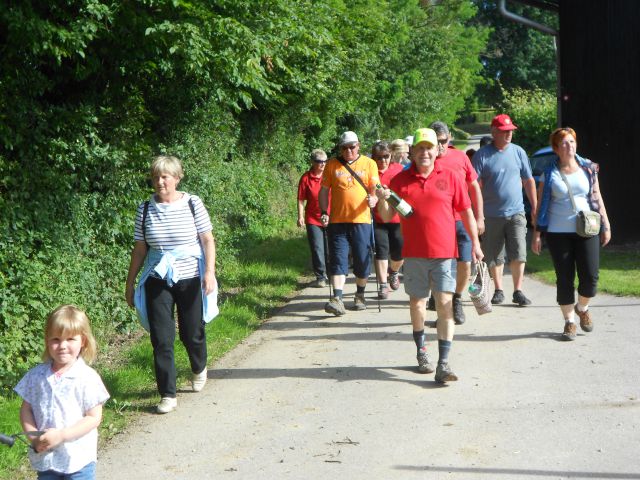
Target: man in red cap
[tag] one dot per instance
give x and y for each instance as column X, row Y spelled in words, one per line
column 503, row 172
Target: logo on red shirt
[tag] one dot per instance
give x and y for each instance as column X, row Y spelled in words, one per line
column 442, row 185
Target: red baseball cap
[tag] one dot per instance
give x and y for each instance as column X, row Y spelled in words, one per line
column 503, row 122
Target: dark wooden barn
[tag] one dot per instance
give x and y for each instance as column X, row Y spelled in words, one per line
column 599, row 94
column 600, row 99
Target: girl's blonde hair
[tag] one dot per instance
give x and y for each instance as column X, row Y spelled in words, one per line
column 167, row 164
column 69, row 320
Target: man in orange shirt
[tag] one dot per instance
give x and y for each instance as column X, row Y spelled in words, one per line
column 350, row 222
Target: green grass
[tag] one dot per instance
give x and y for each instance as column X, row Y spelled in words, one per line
column 266, row 277
column 619, row 270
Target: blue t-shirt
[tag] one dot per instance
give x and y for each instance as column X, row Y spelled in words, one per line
column 501, row 174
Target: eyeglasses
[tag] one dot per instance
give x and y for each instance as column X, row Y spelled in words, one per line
column 349, row 147
column 443, row 141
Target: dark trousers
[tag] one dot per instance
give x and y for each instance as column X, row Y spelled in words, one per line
column 186, row 295
column 570, row 253
column 358, row 236
column 316, row 245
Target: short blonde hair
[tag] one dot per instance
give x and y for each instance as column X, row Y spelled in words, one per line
column 318, row 155
column 399, row 145
column 167, row 164
column 69, row 320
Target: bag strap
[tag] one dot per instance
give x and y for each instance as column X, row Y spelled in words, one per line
column 566, row 181
column 353, row 174
column 145, row 212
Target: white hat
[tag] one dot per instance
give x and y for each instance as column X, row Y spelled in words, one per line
column 347, row 138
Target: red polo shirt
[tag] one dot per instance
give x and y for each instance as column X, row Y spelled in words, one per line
column 308, row 189
column 431, row 231
column 458, row 161
column 385, row 180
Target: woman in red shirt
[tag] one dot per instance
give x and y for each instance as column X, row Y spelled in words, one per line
column 309, row 215
column 388, row 236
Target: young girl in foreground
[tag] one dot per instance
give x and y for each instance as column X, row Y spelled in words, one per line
column 63, row 397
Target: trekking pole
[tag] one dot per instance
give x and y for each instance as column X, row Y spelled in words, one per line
column 373, row 258
column 326, row 260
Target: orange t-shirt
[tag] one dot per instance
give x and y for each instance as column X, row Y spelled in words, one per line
column 348, row 198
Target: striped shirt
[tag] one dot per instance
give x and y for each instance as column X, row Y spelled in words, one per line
column 172, row 225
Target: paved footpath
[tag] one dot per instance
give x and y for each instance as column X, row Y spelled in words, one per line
column 309, row 397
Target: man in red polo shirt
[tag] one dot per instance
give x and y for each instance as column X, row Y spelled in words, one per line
column 309, row 215
column 430, row 248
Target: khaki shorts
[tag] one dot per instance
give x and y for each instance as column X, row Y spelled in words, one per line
column 424, row 274
column 501, row 232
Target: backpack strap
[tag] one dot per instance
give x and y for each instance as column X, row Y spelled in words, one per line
column 145, row 211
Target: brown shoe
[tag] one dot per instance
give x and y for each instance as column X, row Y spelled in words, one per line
column 569, row 331
column 585, row 319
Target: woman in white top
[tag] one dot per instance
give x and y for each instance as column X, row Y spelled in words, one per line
column 556, row 216
column 174, row 241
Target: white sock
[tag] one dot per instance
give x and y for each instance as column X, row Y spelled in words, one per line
column 582, row 308
column 570, row 319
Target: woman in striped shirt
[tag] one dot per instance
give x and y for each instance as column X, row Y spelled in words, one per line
column 174, row 243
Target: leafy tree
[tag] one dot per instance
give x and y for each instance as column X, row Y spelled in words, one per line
column 516, row 56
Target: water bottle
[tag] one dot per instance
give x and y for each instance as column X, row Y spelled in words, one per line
column 475, row 289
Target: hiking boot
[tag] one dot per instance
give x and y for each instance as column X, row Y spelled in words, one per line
column 520, row 299
column 498, row 297
column 569, row 331
column 335, row 307
column 424, row 363
column 431, row 304
column 318, row 283
column 358, row 301
column 167, row 404
column 445, row 374
column 585, row 319
column 198, row 380
column 394, row 280
column 383, row 294
column 458, row 312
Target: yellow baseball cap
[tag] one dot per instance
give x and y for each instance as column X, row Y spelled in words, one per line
column 425, row 135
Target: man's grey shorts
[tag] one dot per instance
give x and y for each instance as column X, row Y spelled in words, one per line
column 424, row 274
column 505, row 231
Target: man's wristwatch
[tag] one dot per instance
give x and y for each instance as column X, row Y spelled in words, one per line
column 322, row 214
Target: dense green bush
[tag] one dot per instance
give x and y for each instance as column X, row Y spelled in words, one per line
column 90, row 90
column 535, row 114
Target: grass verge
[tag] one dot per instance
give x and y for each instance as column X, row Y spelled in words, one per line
column 265, row 278
column 619, row 269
